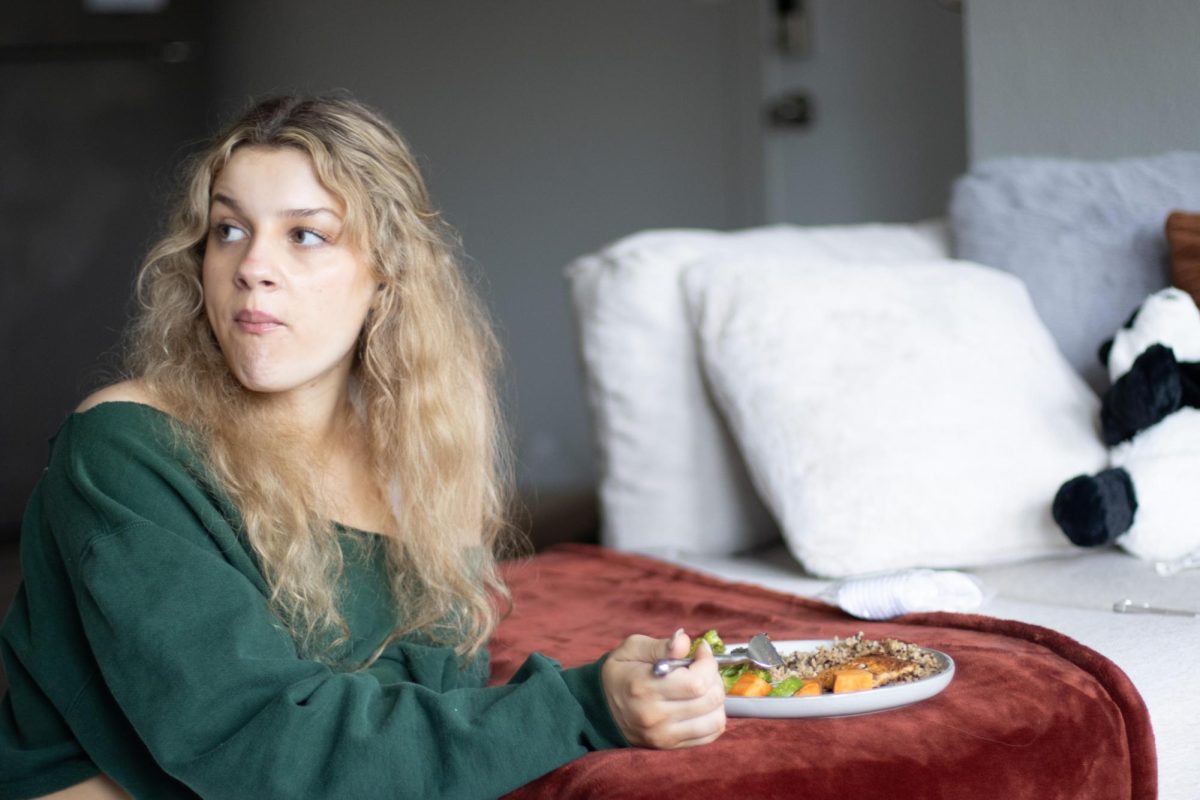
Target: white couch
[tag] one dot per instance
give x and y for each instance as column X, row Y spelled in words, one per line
column 724, row 370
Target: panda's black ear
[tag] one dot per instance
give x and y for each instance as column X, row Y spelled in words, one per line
column 1103, row 352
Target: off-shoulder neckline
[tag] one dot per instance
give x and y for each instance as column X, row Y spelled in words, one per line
column 124, row 403
column 341, row 526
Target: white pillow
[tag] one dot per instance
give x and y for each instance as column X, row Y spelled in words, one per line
column 671, row 478
column 895, row 415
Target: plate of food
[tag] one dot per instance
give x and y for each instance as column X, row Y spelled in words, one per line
column 836, row 677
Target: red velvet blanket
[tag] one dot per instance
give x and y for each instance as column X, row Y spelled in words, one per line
column 1030, row 713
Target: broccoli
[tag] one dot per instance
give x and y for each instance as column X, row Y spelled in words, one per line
column 787, row 687
column 714, row 641
column 730, row 674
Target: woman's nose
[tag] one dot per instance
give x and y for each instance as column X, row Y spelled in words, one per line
column 257, row 267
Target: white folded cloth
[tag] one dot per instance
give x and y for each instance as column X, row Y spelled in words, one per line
column 894, row 593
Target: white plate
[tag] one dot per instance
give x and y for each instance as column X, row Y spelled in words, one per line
column 839, row 705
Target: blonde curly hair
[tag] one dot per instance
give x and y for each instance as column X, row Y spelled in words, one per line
column 423, row 384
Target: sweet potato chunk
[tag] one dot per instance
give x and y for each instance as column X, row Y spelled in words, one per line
column 851, row 680
column 750, row 685
column 810, row 688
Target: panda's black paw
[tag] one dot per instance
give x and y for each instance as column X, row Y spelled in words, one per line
column 1095, row 510
column 1143, row 396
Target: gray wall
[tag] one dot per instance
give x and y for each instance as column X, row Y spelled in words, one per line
column 545, row 129
column 1082, row 78
column 550, row 128
column 888, row 131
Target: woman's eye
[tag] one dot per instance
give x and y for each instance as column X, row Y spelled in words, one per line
column 228, row 233
column 308, row 238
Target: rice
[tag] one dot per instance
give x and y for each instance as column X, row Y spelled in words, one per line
column 810, row 663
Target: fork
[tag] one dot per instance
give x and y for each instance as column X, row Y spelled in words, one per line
column 760, row 652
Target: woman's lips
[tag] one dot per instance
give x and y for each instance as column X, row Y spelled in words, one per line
column 252, row 321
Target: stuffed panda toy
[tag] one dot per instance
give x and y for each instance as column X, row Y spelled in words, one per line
column 1150, row 420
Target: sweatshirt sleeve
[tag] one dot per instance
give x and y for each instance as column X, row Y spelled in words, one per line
column 218, row 694
column 38, row 754
column 214, row 687
column 439, row 668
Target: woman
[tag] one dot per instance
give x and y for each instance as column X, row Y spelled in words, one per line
column 263, row 565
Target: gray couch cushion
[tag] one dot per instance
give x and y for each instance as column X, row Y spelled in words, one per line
column 1086, row 237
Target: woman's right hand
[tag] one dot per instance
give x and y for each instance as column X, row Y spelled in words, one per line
column 684, row 708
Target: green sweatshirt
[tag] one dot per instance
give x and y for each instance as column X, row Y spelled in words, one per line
column 141, row 645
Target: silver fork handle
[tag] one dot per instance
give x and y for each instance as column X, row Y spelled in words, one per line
column 665, row 665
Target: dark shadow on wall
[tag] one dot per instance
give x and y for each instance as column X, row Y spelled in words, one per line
column 96, row 110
